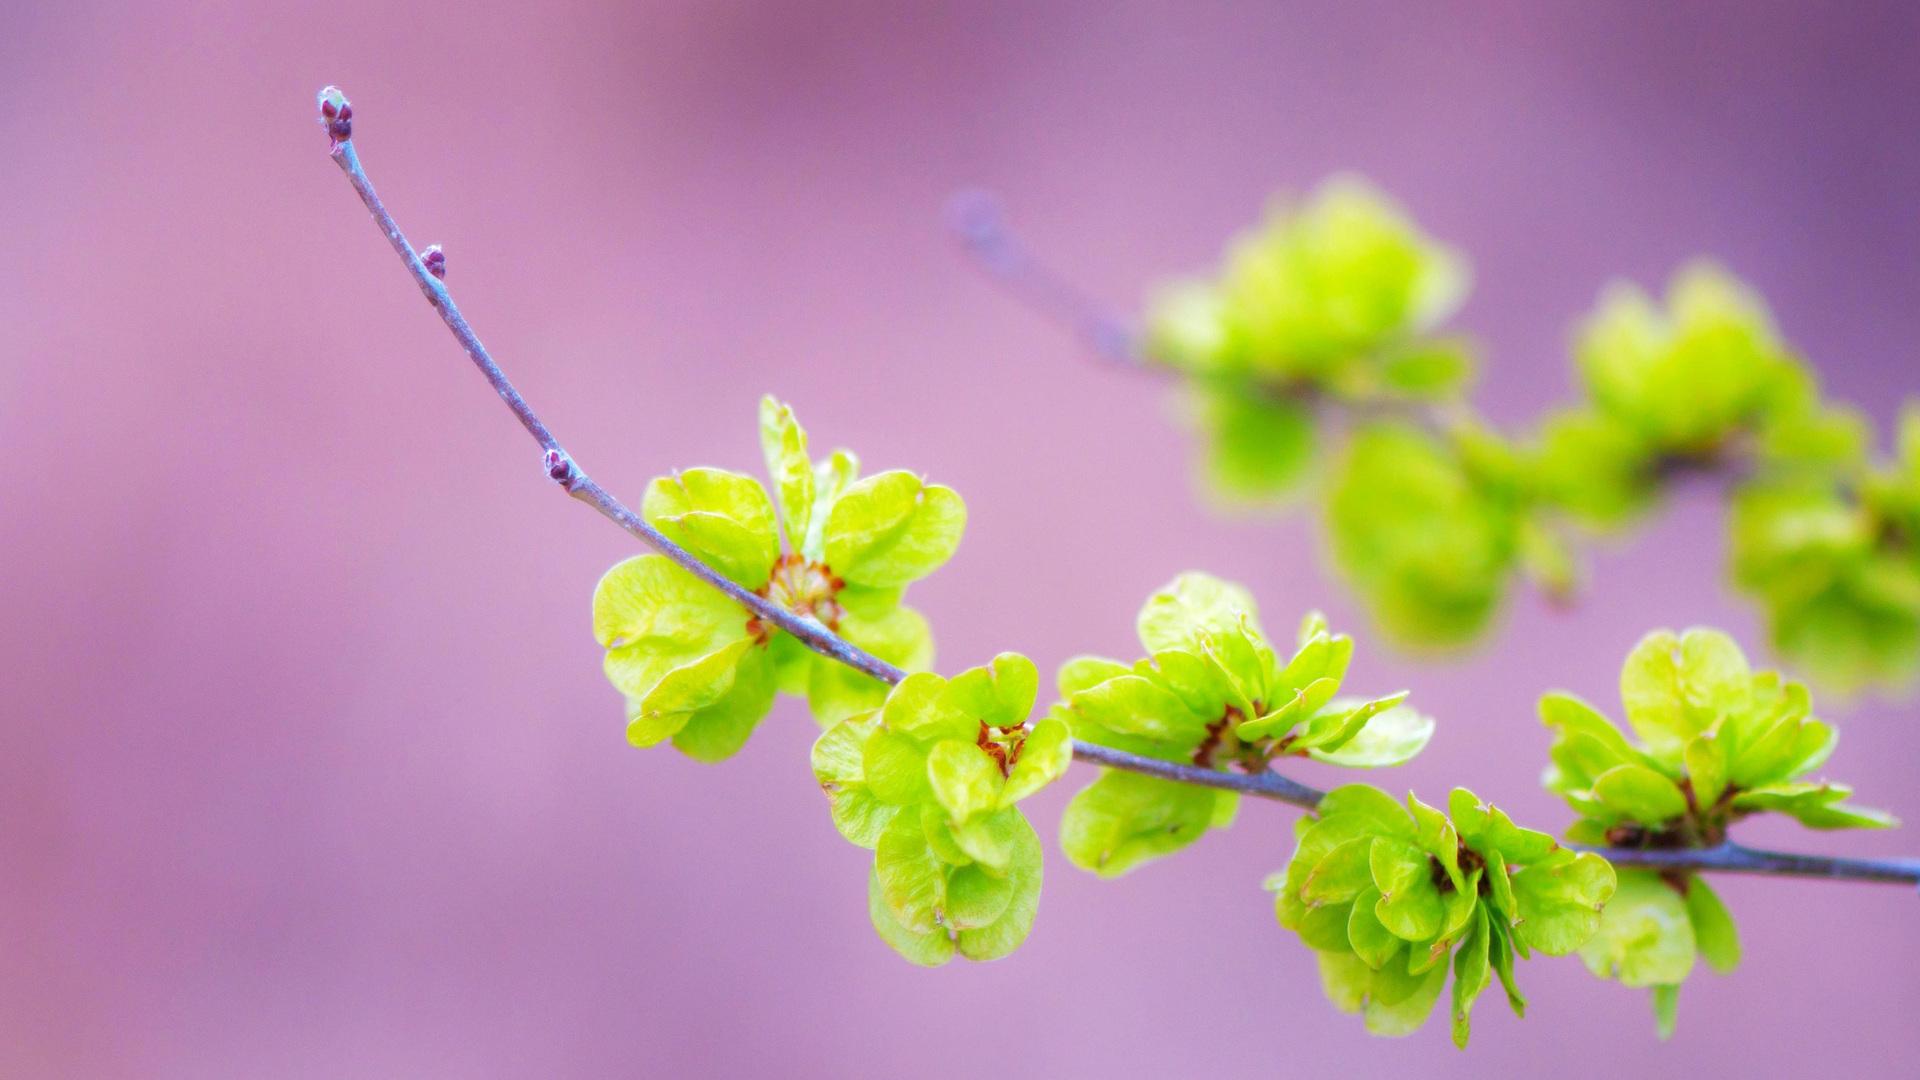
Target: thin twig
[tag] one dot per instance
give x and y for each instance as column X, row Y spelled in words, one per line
column 1266, row 784
column 977, row 219
column 562, row 469
column 1731, row 858
column 979, row 223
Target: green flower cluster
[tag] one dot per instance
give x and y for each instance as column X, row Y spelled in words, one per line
column 1211, row 692
column 1706, row 381
column 1717, row 742
column 1838, row 570
column 1333, row 303
column 1430, row 527
column 694, row 667
column 1387, row 894
column 929, row 783
column 1332, row 299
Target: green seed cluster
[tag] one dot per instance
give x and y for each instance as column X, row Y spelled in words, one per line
column 1213, row 692
column 1333, row 305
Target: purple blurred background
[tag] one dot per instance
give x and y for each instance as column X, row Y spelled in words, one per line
column 309, row 768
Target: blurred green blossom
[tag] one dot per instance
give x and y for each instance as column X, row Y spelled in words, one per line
column 929, row 783
column 1392, row 895
column 1429, row 528
column 1715, row 743
column 1708, row 381
column 694, row 667
column 1334, row 298
column 1212, row 692
column 1331, row 306
column 1838, row 570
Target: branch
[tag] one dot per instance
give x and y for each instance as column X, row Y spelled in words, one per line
column 977, row 219
column 1731, row 858
column 979, row 223
column 337, row 115
column 560, row 465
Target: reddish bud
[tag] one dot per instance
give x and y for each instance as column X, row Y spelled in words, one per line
column 436, row 261
column 336, row 114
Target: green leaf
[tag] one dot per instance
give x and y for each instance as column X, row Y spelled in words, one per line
column 831, row 478
column 1814, row 805
column 1320, row 656
column 992, row 839
column 723, row 517
column 1342, row 719
column 1713, row 926
column 1714, row 678
column 1650, row 690
column 1428, row 370
column 1558, row 900
column 1346, row 980
column 1324, row 928
column 1367, row 936
column 892, row 529
column 1299, row 707
column 1000, row 694
column 837, row 765
column 1570, row 718
column 1044, row 758
column 1023, row 873
column 1640, row 794
column 1500, row 957
column 1192, row 609
column 1393, row 737
column 1258, row 447
column 1429, row 544
column 1383, row 814
column 1436, row 835
column 1666, row 1007
column 1706, row 761
column 896, row 768
column 913, row 881
column 1645, row 937
column 1341, row 875
column 1124, row 819
column 1410, row 905
column 859, row 815
column 1405, row 1014
column 784, row 443
column 1472, row 971
column 718, row 731
column 652, row 617
column 930, row 948
column 1137, row 705
column 1086, row 672
column 1491, row 830
column 964, row 779
column 1500, row 885
column 976, row 898
column 690, row 689
column 940, row 838
column 919, row 708
column 837, row 753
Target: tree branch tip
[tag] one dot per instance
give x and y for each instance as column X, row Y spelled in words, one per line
column 977, row 217
column 561, row 469
column 336, row 114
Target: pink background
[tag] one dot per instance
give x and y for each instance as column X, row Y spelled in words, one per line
column 309, row 768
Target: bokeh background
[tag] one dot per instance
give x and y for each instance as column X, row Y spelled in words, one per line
column 307, row 766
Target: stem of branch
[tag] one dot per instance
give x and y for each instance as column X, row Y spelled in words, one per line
column 977, row 219
column 562, row 469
